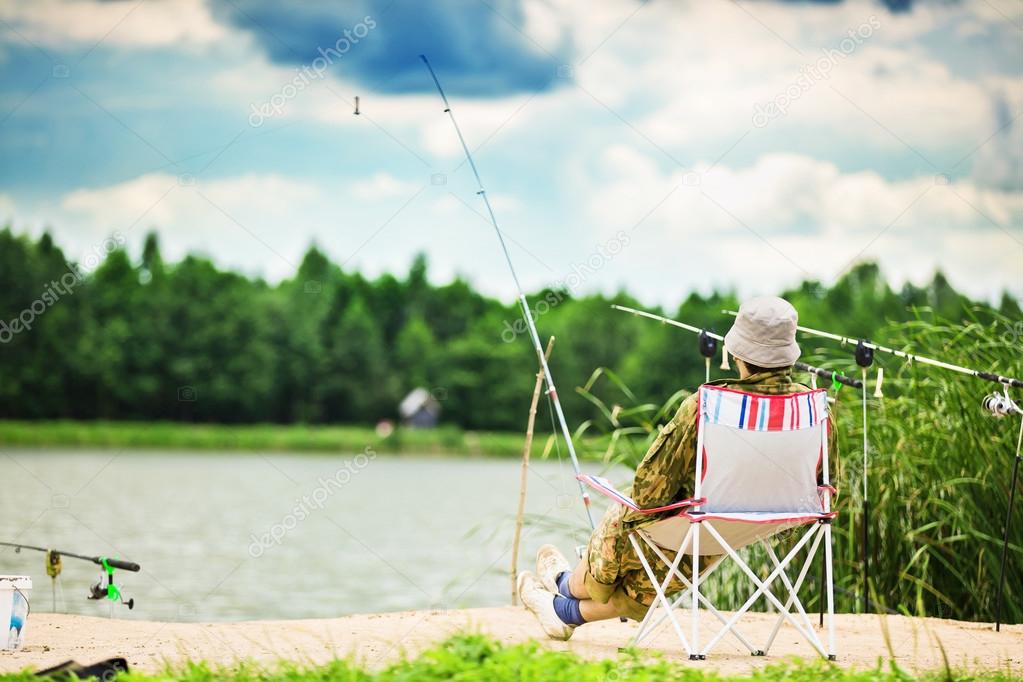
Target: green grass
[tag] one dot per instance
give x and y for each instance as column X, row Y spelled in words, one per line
column 262, row 437
column 478, row 658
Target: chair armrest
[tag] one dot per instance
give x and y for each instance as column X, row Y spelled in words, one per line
column 604, row 487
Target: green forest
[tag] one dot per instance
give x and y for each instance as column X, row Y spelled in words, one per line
column 145, row 339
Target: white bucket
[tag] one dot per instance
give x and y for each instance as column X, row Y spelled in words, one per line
column 14, row 609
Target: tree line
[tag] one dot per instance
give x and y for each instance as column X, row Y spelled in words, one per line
column 149, row 340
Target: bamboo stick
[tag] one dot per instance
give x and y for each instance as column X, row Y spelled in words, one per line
column 524, row 474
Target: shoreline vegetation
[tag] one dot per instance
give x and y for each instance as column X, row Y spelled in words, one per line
column 342, row 439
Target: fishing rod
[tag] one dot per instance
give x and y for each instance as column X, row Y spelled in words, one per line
column 552, row 392
column 912, row 357
column 1012, row 498
column 98, row 590
column 709, row 341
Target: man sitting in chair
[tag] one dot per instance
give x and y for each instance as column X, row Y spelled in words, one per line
column 609, row 580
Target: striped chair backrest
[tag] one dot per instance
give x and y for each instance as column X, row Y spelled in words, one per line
column 760, row 452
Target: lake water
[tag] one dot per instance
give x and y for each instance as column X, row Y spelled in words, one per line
column 232, row 536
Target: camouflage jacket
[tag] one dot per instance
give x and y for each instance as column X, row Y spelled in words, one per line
column 666, row 473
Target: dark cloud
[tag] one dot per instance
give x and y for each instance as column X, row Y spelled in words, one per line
column 892, row 5
column 478, row 48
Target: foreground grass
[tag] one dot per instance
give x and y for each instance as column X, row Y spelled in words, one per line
column 475, row 657
column 274, row 437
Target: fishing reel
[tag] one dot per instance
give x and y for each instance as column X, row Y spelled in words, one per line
column 109, row 591
column 1000, row 405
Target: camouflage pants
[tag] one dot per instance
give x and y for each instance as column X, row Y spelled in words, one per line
column 615, row 575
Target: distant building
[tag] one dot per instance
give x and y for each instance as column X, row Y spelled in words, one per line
column 419, row 409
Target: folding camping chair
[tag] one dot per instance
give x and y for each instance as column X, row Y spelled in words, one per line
column 756, row 476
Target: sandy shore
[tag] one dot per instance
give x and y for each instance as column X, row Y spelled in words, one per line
column 382, row 638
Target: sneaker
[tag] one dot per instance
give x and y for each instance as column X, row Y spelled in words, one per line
column 541, row 603
column 549, row 564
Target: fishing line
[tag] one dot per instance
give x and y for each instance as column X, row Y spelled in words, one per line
column 552, row 392
column 557, row 444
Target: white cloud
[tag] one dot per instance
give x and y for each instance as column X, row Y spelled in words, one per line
column 996, row 12
column 7, row 209
column 881, row 91
column 246, row 221
column 383, row 185
column 146, row 24
column 544, row 24
column 757, row 228
column 790, row 217
column 162, row 198
column 263, row 224
column 688, row 76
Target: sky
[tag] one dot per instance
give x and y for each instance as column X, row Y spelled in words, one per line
column 663, row 147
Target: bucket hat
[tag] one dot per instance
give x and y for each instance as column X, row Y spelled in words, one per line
column 764, row 333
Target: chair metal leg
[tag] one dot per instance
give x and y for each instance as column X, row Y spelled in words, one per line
column 647, row 625
column 660, row 594
column 794, row 589
column 831, row 591
column 697, row 655
column 820, row 592
column 688, row 591
column 672, row 568
column 763, row 587
column 813, row 553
